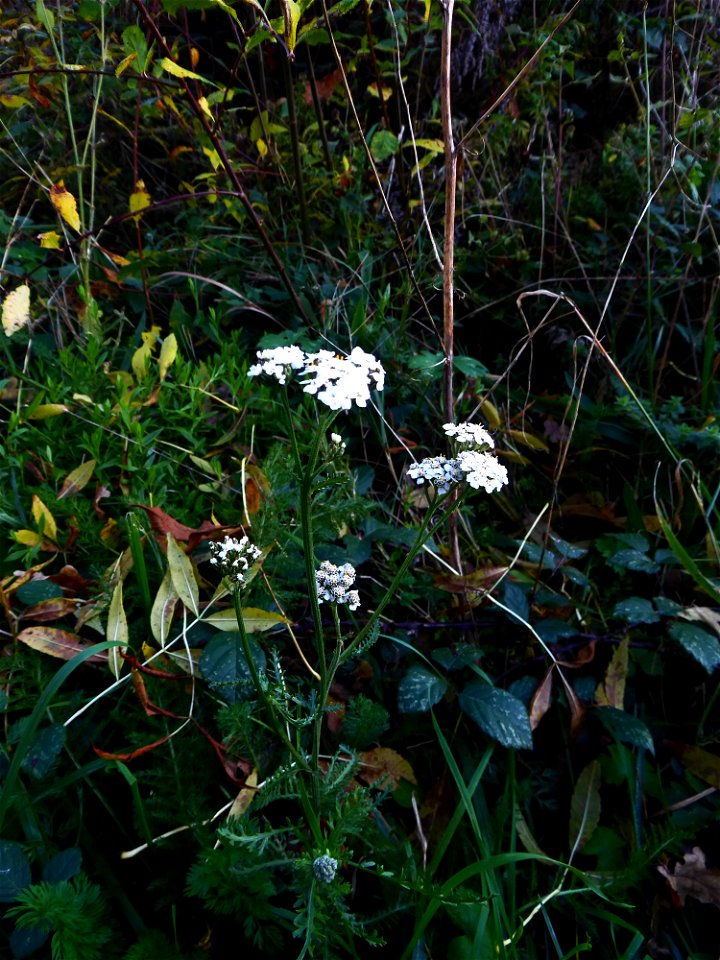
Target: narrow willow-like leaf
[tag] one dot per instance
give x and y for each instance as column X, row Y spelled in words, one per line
column 183, row 577
column 585, row 806
column 117, row 631
column 162, row 609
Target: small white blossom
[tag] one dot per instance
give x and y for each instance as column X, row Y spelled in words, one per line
column 277, row 362
column 338, row 381
column 482, row 470
column 333, row 583
column 439, row 471
column 469, row 433
column 234, row 557
column 338, row 444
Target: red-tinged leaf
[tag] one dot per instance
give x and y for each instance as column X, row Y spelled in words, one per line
column 48, row 610
column 611, row 692
column 77, row 479
column 134, row 754
column 325, row 86
column 69, row 579
column 162, row 523
column 58, row 643
column 577, row 710
column 478, row 581
column 584, row 656
column 35, row 93
column 101, row 493
column 151, row 709
column 385, row 766
column 540, row 702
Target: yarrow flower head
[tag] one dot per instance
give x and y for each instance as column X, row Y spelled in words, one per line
column 234, row 557
column 333, row 584
column 472, row 464
column 277, row 362
column 325, row 868
column 469, row 434
column 336, row 380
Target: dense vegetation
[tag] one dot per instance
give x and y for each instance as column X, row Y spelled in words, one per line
column 506, row 744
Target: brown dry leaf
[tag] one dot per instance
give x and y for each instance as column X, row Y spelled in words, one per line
column 57, row 643
column 245, row 797
column 692, row 878
column 584, row 656
column 540, row 702
column 52, row 609
column 611, row 692
column 384, row 766
column 325, row 86
column 577, row 711
column 77, row 479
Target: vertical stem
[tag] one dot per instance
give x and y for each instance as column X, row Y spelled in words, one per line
column 295, row 141
column 319, row 114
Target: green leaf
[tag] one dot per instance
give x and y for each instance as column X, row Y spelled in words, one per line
column 419, row 690
column 38, row 590
column 44, row 750
column 225, row 668
column 700, row 644
column 470, row 367
column 14, row 871
column 625, row 728
column 383, row 145
column 585, row 806
column 134, row 42
column 636, row 610
column 63, row 865
column 498, row 714
column 630, row 559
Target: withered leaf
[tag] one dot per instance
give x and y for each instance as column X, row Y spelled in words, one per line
column 692, row 878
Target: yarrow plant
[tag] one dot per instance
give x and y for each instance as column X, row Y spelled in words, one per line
column 473, row 466
column 337, row 381
column 333, row 583
column 234, row 557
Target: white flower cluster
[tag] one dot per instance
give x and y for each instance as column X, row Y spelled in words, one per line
column 471, row 434
column 325, row 868
column 277, row 362
column 234, row 557
column 333, row 583
column 474, row 466
column 337, row 443
column 336, row 381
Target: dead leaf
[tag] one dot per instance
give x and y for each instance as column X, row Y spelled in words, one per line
column 77, row 479
column 611, row 692
column 692, row 878
column 48, row 610
column 325, row 86
column 245, row 797
column 64, row 203
column 57, row 643
column 384, row 767
column 540, row 702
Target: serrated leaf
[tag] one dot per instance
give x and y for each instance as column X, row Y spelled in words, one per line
column 168, row 353
column 255, row 620
column 65, row 204
column 225, row 668
column 117, row 630
column 625, row 728
column 611, row 692
column 14, row 871
column 700, row 644
column 183, row 576
column 585, row 806
column 419, row 690
column 43, row 518
column 163, row 608
column 498, row 714
column 16, row 309
column 77, row 479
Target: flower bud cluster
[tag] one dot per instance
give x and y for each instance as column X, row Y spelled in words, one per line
column 325, row 868
column 337, row 381
column 333, row 584
column 472, row 464
column 234, row 557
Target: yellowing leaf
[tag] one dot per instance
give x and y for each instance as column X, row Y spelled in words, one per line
column 435, row 146
column 262, row 147
column 77, row 479
column 141, row 359
column 139, row 199
column 291, row 16
column 245, row 797
column 385, row 766
column 177, row 71
column 125, row 63
column 13, row 101
column 16, row 309
column 182, row 574
column 205, row 107
column 28, row 538
column 64, row 203
column 611, row 692
column 43, row 518
column 117, row 631
column 163, row 609
column 168, row 353
column 57, row 643
column 490, row 414
column 383, row 91
column 528, row 440
column 51, row 240
column 45, row 410
column 256, row 621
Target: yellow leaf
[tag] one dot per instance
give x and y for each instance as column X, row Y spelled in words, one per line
column 262, row 147
column 168, row 353
column 13, row 101
column 77, row 479
column 490, row 414
column 117, row 631
column 245, row 797
column 163, row 609
column 110, row 534
column 204, row 106
column 177, row 71
column 528, row 440
column 383, row 91
column 256, row 621
column 50, row 240
column 434, row 146
column 45, row 410
column 16, row 309
column 182, row 574
column 43, row 518
column 125, row 63
column 139, row 199
column 64, row 203
column 28, row 538
column 611, row 692
column 141, row 359
column 385, row 767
